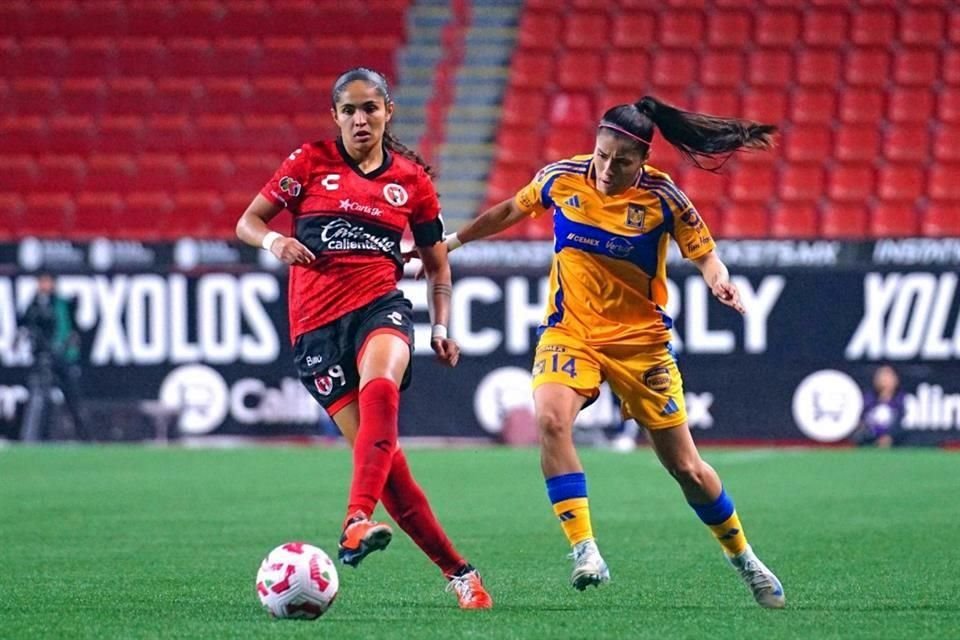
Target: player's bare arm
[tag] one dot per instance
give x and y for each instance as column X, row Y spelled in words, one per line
column 717, row 277
column 491, row 222
column 252, row 229
column 440, row 290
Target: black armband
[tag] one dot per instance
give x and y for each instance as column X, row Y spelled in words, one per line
column 428, row 233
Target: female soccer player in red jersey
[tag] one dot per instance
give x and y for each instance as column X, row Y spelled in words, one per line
column 613, row 216
column 352, row 330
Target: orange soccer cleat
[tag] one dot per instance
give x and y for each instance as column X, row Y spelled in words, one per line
column 471, row 594
column 361, row 537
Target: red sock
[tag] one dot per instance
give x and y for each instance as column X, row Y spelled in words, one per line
column 407, row 504
column 375, row 445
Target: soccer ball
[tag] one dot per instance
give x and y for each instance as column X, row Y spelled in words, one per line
column 297, row 580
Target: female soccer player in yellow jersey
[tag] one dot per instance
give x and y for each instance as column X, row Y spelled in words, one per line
column 613, row 217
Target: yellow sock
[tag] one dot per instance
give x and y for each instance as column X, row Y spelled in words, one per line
column 729, row 534
column 574, row 515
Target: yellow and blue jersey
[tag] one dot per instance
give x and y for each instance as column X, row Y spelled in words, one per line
column 608, row 278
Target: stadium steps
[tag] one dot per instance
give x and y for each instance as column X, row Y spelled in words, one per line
column 472, row 121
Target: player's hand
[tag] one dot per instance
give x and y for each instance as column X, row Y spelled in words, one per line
column 727, row 293
column 290, row 251
column 413, row 254
column 448, row 351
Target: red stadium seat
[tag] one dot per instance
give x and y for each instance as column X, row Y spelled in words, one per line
column 614, row 96
column 944, row 182
column 76, row 134
column 516, row 145
column 812, row 106
column 9, row 54
column 851, row 183
column 151, row 19
column 284, row 13
column 948, row 104
column 755, row 186
column 765, row 105
column 120, row 134
column 142, row 56
column 825, row 28
column 115, row 172
column 190, row 56
column 818, row 68
column 808, row 144
column 717, row 102
column 42, row 57
column 680, row 28
column 845, row 221
column 634, row 30
column 873, row 27
column 506, row 180
column 627, row 69
column 951, row 66
column 226, row 95
column 798, row 220
column 47, row 214
column 169, row 134
column 97, row 214
column 93, row 57
column 278, row 96
column 566, row 142
column 585, row 30
column 36, row 96
column 579, row 70
column 24, row 134
column 196, row 207
column 911, row 104
column 704, row 188
column 220, row 132
column 11, row 222
column 900, row 182
column 571, row 110
column 894, row 219
column 745, row 221
column 83, row 95
column 941, row 220
column 953, row 28
column 206, row 171
column 531, row 69
column 245, row 18
column 539, row 30
column 857, row 143
column 523, row 107
column 288, row 57
column 776, row 28
column 721, row 69
column 180, row 95
column 861, row 105
column 17, row 173
column 922, row 27
column 672, row 68
column 945, row 143
column 160, row 172
column 145, row 216
column 237, row 56
column 918, row 67
column 770, row 68
column 268, row 134
column 801, row 183
column 729, row 29
column 199, row 17
column 907, row 143
column 867, row 67
column 128, row 95
column 70, row 171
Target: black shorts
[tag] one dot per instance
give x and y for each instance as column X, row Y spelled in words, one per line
column 326, row 358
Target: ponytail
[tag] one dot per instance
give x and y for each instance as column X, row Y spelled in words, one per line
column 695, row 135
column 393, row 144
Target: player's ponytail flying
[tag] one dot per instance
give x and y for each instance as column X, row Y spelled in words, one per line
column 695, row 135
column 377, row 79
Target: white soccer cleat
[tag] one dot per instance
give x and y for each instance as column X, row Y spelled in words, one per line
column 766, row 589
column 588, row 566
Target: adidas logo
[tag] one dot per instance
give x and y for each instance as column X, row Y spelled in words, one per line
column 670, row 408
column 573, row 201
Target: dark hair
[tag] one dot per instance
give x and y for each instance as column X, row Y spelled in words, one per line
column 695, row 135
column 379, row 82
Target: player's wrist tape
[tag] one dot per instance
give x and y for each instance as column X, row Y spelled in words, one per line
column 269, row 239
column 452, row 241
column 439, row 331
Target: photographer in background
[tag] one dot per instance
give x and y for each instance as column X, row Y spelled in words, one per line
column 48, row 322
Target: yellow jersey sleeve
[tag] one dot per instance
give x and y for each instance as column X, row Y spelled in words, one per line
column 535, row 198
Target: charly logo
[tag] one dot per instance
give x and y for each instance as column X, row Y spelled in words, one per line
column 827, row 405
column 356, row 207
column 290, row 186
column 341, row 235
column 395, row 194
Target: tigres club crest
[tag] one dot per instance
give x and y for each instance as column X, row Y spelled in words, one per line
column 635, row 215
column 395, row 194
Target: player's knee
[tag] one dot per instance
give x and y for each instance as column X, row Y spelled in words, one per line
column 552, row 425
column 689, row 473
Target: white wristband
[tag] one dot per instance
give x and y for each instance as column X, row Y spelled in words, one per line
column 452, row 242
column 269, row 239
column 439, row 331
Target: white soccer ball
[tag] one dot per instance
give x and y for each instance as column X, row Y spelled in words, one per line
column 297, row 580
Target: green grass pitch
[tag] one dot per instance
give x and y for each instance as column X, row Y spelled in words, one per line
column 129, row 542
